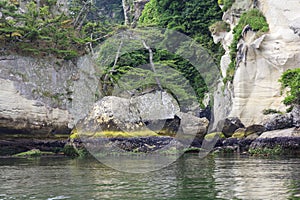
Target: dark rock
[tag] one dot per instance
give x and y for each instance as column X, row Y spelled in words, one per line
column 290, row 144
column 137, row 145
column 14, row 146
column 279, row 122
column 230, row 125
column 287, row 139
column 205, row 113
column 257, row 129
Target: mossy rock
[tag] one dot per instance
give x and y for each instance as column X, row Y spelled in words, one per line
column 211, row 136
column 238, row 135
column 33, row 153
column 75, row 134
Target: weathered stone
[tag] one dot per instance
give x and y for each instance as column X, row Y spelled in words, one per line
column 279, row 122
column 255, row 84
column 252, row 136
column 291, row 132
column 192, row 126
column 230, row 125
column 258, row 129
column 155, row 112
column 38, row 95
column 296, row 116
column 287, row 139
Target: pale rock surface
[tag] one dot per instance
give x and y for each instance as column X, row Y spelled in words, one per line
column 263, row 60
column 291, row 132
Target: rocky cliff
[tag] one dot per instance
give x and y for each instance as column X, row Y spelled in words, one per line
column 261, row 61
column 44, row 96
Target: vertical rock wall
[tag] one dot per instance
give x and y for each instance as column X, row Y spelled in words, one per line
column 263, row 59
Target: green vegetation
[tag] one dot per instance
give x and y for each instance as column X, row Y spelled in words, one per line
column 256, row 20
column 291, row 79
column 211, row 136
column 239, row 135
column 38, row 31
column 33, row 153
column 113, row 134
column 271, row 111
column 44, row 30
column 277, row 150
column 227, row 4
column 192, row 18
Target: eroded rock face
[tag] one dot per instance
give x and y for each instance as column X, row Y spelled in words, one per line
column 37, row 95
column 262, row 60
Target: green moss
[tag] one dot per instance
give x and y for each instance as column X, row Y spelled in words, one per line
column 238, row 135
column 70, row 151
column 257, row 22
column 213, row 135
column 116, row 134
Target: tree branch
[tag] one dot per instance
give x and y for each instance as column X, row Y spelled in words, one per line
column 152, row 64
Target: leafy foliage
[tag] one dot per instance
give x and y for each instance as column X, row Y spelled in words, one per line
column 291, row 79
column 257, row 22
column 177, row 75
column 38, row 31
column 192, row 18
column 227, row 4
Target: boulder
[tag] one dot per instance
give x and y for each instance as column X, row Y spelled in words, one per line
column 279, row 122
column 230, row 125
column 291, row 132
column 257, row 129
column 150, row 114
column 239, row 133
column 192, row 126
column 146, row 112
column 287, row 139
column 253, row 136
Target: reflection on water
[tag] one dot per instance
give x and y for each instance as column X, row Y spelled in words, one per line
column 188, row 178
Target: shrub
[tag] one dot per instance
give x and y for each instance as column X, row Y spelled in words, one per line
column 227, row 4
column 271, row 111
column 291, row 79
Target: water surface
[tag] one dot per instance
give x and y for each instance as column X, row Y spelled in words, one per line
column 219, row 177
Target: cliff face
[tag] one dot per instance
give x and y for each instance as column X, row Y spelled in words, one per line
column 261, row 61
column 40, row 96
